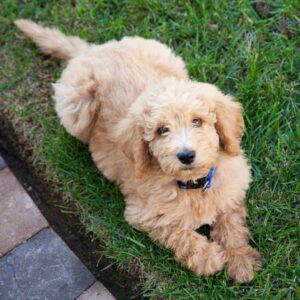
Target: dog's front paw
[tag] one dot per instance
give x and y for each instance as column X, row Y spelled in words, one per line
column 209, row 260
column 242, row 262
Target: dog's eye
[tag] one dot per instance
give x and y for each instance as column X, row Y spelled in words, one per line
column 162, row 130
column 197, row 122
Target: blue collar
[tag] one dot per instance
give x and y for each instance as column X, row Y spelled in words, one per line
column 203, row 183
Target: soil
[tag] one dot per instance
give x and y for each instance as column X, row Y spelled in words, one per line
column 121, row 284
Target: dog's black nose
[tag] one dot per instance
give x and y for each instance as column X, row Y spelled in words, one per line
column 186, row 156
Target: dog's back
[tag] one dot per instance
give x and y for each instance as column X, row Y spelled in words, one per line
column 102, row 81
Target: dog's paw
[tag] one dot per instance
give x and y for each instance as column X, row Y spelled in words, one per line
column 242, row 262
column 209, row 260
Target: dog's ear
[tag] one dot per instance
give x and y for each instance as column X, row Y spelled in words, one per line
column 230, row 124
column 130, row 138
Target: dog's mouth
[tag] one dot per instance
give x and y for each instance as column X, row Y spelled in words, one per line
column 188, row 168
column 192, row 172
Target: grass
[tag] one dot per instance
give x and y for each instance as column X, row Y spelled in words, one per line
column 248, row 50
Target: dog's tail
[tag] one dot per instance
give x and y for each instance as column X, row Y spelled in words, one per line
column 52, row 41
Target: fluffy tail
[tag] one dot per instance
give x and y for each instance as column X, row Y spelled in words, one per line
column 52, row 41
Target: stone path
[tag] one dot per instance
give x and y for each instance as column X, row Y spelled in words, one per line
column 35, row 263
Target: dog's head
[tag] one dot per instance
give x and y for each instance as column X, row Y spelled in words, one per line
column 181, row 126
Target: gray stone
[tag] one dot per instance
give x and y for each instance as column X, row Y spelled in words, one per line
column 20, row 219
column 2, row 163
column 96, row 292
column 43, row 268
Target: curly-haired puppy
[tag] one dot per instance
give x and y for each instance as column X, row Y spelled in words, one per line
column 172, row 144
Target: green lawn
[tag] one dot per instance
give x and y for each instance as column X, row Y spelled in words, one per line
column 247, row 50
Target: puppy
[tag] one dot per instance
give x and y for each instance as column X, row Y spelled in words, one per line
column 172, row 144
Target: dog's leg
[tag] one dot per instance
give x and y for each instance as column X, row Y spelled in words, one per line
column 77, row 99
column 231, row 232
column 191, row 249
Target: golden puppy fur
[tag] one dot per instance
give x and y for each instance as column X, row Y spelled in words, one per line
column 132, row 101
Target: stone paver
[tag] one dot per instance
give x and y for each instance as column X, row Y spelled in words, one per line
column 19, row 217
column 2, row 163
column 43, row 268
column 96, row 292
column 34, row 261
